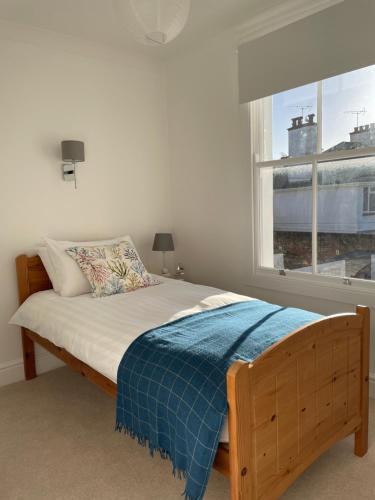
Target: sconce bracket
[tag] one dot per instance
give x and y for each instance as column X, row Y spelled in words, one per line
column 69, row 172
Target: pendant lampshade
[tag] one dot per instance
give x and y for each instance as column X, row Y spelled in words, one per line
column 154, row 21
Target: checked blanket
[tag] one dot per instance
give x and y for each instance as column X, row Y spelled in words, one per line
column 172, row 381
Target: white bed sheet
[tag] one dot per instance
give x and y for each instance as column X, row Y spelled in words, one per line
column 99, row 330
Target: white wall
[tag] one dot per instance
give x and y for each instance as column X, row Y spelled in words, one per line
column 211, row 179
column 54, row 88
column 210, row 175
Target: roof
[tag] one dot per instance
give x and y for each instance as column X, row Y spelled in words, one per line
column 339, row 172
column 345, row 145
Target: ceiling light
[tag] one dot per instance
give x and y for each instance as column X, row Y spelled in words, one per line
column 154, row 22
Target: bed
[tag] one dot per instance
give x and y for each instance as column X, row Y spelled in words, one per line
column 296, row 400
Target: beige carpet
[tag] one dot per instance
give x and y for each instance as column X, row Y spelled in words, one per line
column 57, row 442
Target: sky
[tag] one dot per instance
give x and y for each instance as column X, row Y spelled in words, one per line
column 351, row 91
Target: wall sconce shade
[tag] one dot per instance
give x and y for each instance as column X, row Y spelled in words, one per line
column 73, row 151
column 163, row 242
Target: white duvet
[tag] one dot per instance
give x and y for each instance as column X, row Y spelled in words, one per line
column 98, row 331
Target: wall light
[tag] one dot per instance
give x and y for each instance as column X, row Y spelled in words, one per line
column 72, row 152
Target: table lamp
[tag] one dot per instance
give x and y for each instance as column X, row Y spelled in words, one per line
column 163, row 242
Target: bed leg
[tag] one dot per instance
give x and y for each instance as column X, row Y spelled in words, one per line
column 361, row 436
column 28, row 356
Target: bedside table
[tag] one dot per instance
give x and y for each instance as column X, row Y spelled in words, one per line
column 172, row 277
column 179, row 278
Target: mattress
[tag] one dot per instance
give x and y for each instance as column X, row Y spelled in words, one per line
column 98, row 331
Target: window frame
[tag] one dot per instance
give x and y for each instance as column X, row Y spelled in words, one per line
column 308, row 284
column 370, row 191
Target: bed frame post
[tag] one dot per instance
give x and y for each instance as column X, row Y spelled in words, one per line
column 361, row 436
column 241, row 421
column 28, row 349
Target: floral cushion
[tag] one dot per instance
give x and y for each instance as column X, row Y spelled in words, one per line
column 112, row 269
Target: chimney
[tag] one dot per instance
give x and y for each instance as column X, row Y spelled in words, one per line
column 297, row 122
column 302, row 136
column 365, row 134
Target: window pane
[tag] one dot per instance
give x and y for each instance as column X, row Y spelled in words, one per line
column 349, row 110
column 371, row 202
column 285, row 218
column 346, row 228
column 365, row 199
column 290, row 123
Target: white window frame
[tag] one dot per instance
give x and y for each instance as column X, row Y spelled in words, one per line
column 370, row 192
column 346, row 290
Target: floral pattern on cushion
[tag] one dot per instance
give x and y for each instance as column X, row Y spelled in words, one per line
column 112, row 269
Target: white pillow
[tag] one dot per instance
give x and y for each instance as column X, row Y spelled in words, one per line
column 69, row 279
column 48, row 266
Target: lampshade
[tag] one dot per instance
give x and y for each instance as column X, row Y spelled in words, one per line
column 73, row 151
column 154, row 21
column 163, row 242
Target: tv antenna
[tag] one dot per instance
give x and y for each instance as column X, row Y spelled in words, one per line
column 357, row 112
column 302, row 108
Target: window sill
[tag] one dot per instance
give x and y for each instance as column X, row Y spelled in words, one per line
column 353, row 294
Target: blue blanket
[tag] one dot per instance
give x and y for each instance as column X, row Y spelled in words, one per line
column 172, row 381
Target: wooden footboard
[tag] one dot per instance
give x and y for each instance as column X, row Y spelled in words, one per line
column 295, row 401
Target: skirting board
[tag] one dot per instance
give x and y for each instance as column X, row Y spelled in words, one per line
column 12, row 371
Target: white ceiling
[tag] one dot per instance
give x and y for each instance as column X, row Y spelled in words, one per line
column 99, row 20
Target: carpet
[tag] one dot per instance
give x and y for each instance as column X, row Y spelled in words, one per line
column 57, row 442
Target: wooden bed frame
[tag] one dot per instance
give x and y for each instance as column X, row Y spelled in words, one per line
column 294, row 402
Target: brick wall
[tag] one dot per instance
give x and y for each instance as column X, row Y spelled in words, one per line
column 355, row 249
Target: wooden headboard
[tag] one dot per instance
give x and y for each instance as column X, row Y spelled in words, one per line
column 31, row 275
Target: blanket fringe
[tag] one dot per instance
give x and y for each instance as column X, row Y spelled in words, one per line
column 165, row 455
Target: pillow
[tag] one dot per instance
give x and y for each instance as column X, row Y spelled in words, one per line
column 112, row 269
column 48, row 266
column 69, row 280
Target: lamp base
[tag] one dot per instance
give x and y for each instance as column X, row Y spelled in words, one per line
column 165, row 272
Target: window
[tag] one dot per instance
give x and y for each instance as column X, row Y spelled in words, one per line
column 369, row 200
column 314, row 172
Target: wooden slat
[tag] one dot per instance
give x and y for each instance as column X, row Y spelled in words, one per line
column 354, row 380
column 22, row 266
column 361, row 437
column 324, row 359
column 340, row 380
column 265, row 403
column 307, row 401
column 287, row 417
